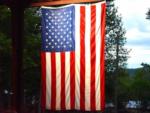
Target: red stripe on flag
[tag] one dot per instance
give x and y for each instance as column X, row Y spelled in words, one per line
column 82, row 57
column 43, row 82
column 63, row 81
column 53, row 87
column 93, row 57
column 103, row 13
column 72, row 79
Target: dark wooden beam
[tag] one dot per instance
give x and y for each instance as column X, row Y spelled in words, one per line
column 17, row 20
column 61, row 2
column 4, row 2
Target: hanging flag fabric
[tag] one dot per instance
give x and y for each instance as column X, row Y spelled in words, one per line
column 72, row 57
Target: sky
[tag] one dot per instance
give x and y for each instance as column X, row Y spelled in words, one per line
column 137, row 27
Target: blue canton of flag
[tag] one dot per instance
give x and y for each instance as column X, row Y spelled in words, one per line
column 58, row 29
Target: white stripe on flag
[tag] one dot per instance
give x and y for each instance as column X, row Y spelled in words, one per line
column 48, row 79
column 98, row 41
column 58, row 81
column 77, row 57
column 67, row 80
column 87, row 56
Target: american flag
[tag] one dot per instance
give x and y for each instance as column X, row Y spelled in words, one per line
column 72, row 57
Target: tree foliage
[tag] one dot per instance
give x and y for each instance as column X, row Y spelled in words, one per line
column 31, row 55
column 5, row 53
column 115, row 36
column 114, row 32
column 141, row 85
column 148, row 14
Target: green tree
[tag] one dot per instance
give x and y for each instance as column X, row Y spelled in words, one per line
column 31, row 54
column 148, row 14
column 5, row 53
column 116, row 53
column 114, row 32
column 124, row 88
column 141, row 85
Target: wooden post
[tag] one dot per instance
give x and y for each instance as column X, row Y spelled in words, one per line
column 17, row 20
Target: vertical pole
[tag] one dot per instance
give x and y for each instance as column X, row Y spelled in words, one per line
column 17, row 20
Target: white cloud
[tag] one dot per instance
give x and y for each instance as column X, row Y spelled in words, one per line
column 137, row 56
column 133, row 12
column 135, row 34
column 138, row 29
column 132, row 7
